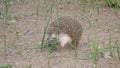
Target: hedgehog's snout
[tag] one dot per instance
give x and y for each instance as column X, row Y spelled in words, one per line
column 51, row 39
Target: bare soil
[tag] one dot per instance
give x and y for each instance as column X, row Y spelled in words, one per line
column 21, row 53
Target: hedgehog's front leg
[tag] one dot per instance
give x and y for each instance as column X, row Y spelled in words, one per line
column 74, row 44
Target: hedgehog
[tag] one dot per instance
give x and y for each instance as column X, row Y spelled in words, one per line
column 65, row 30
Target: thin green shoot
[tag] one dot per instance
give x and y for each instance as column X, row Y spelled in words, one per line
column 57, row 8
column 46, row 9
column 93, row 3
column 47, row 24
column 1, row 14
column 5, row 43
column 37, row 10
column 117, row 48
column 49, row 61
column 98, row 8
column 110, row 41
column 96, row 52
column 51, row 11
column 52, row 45
column 7, row 2
column 84, row 4
column 74, row 46
column 119, row 28
column 88, row 45
column 43, row 37
column 16, row 32
column 76, row 52
column 91, row 13
column 110, row 45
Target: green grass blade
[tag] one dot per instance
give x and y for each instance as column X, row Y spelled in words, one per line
column 6, row 66
column 118, row 51
column 95, row 55
column 43, row 37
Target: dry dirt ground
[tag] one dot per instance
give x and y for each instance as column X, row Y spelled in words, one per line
column 21, row 54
